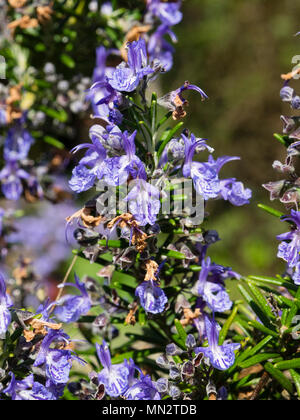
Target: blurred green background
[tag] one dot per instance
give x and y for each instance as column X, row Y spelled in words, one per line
column 236, row 50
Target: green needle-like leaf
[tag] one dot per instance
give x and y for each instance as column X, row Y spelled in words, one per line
column 279, row 377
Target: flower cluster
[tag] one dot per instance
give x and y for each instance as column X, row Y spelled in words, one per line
column 13, row 176
column 120, row 379
column 114, row 156
column 195, row 362
column 142, row 257
column 287, row 190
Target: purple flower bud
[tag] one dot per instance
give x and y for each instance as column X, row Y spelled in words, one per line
column 296, row 102
column 174, row 373
column 163, row 361
column 173, row 350
column 162, row 385
column 286, row 94
column 190, row 341
column 175, row 392
column 187, row 370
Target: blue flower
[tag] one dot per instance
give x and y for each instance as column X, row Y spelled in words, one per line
column 27, row 390
column 91, row 166
column 204, row 174
column 70, row 308
column 17, row 143
column 82, row 179
column 143, row 389
column 235, row 192
column 168, row 13
column 152, row 297
column 212, row 292
column 159, row 49
column 57, row 362
column 117, row 170
column 5, row 304
column 115, row 378
column 289, row 248
column 144, row 202
column 127, row 76
column 110, row 137
column 220, row 357
column 103, row 97
column 11, row 177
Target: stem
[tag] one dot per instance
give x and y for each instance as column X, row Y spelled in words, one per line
column 262, row 383
column 63, row 282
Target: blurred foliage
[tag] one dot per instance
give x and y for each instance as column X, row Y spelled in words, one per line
column 236, row 51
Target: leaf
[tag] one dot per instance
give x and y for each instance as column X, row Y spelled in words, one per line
column 173, row 254
column 111, row 244
column 147, row 337
column 275, row 282
column 285, row 140
column 153, row 111
column 181, row 332
column 227, row 325
column 54, row 142
column 256, row 307
column 288, row 364
column 291, row 315
column 255, row 360
column 168, row 137
column 279, row 377
column 67, row 61
column 270, row 210
column 261, row 345
column 178, row 340
column 263, row 329
column 296, row 378
column 142, row 317
column 59, row 115
column 164, row 119
column 261, row 301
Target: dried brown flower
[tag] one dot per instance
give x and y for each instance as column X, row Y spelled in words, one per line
column 16, row 4
column 133, row 35
column 189, row 316
column 151, row 270
column 38, row 327
column 88, row 219
column 290, row 75
column 25, row 22
column 44, row 13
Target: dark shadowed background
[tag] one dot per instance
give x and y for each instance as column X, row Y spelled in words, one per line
column 236, row 50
